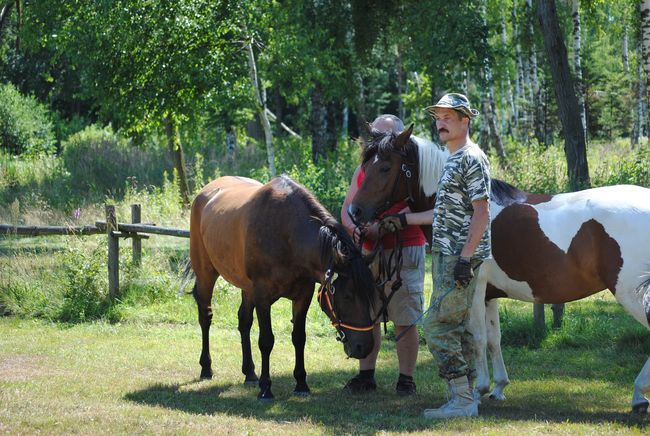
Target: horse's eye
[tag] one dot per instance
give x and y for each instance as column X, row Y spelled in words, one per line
column 384, row 169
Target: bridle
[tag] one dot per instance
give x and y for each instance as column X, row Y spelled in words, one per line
column 326, row 292
column 388, row 270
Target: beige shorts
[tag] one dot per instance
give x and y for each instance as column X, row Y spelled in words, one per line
column 407, row 303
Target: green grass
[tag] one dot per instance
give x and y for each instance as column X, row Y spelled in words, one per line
column 141, row 376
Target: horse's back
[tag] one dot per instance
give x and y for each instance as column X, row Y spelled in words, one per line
column 251, row 231
column 573, row 244
column 218, row 224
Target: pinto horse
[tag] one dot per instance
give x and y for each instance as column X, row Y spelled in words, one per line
column 273, row 241
column 545, row 248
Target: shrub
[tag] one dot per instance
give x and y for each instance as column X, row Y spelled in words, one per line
column 25, row 124
column 100, row 162
column 85, row 284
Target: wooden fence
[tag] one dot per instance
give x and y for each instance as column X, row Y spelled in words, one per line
column 113, row 229
column 138, row 231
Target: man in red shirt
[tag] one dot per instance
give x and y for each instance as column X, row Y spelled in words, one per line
column 406, row 305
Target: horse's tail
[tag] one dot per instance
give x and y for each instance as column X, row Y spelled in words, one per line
column 186, row 277
column 644, row 290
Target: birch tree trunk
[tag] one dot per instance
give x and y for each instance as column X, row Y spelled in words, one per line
column 645, row 50
column 577, row 66
column 625, row 57
column 567, row 102
column 519, row 82
column 260, row 97
column 176, row 149
column 231, row 144
column 322, row 123
column 536, row 91
column 509, row 120
column 637, row 129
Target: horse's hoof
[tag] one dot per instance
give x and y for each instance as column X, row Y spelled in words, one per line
column 640, row 408
column 302, row 392
column 265, row 396
column 206, row 375
column 497, row 396
column 251, row 380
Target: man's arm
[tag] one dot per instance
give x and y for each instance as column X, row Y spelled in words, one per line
column 352, row 191
column 477, row 226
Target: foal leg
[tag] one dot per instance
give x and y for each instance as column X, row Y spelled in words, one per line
column 300, row 307
column 266, row 342
column 245, row 316
column 494, row 346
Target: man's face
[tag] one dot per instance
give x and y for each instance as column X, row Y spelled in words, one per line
column 450, row 124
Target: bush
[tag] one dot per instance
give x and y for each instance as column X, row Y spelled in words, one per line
column 100, row 162
column 25, row 124
column 84, row 284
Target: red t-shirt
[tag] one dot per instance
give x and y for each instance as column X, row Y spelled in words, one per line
column 412, row 236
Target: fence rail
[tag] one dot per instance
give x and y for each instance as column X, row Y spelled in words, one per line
column 113, row 229
column 138, row 231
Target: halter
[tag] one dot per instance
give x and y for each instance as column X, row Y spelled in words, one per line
column 326, row 289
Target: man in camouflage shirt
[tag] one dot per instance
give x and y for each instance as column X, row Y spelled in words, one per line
column 461, row 241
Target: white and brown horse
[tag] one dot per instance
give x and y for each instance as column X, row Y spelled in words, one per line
column 546, row 249
column 273, row 241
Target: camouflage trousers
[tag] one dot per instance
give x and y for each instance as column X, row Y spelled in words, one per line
column 445, row 324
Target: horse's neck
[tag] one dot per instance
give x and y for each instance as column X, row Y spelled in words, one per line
column 431, row 161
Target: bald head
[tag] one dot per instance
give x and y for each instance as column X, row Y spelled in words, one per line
column 388, row 123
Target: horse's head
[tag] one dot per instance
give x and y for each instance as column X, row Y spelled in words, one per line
column 347, row 294
column 397, row 167
column 390, row 165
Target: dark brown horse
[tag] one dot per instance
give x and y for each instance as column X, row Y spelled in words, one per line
column 545, row 248
column 273, row 241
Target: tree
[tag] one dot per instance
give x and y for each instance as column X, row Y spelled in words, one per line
column 574, row 139
column 163, row 57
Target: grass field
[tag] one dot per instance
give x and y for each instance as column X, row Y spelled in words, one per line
column 141, row 376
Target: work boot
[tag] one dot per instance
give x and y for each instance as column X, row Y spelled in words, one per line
column 360, row 384
column 405, row 386
column 462, row 401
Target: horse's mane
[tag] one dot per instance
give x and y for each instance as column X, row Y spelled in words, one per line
column 333, row 236
column 430, row 157
column 504, row 194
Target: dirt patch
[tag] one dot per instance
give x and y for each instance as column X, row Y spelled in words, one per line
column 21, row 368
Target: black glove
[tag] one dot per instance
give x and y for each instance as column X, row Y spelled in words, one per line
column 392, row 223
column 463, row 273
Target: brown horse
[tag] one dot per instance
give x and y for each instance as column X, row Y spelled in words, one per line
column 545, row 248
column 273, row 241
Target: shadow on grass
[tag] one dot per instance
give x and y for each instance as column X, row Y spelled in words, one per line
column 340, row 412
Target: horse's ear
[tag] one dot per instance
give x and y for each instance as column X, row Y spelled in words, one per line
column 341, row 253
column 403, row 137
column 369, row 128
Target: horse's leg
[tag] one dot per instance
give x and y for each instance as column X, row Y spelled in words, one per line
column 494, row 346
column 245, row 316
column 641, row 386
column 298, row 337
column 202, row 292
column 477, row 327
column 266, row 341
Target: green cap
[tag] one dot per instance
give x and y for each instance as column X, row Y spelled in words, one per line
column 453, row 101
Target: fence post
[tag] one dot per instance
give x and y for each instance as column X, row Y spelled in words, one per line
column 136, row 210
column 558, row 312
column 113, row 252
column 538, row 316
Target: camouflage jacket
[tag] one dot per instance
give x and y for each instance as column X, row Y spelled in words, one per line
column 465, row 178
